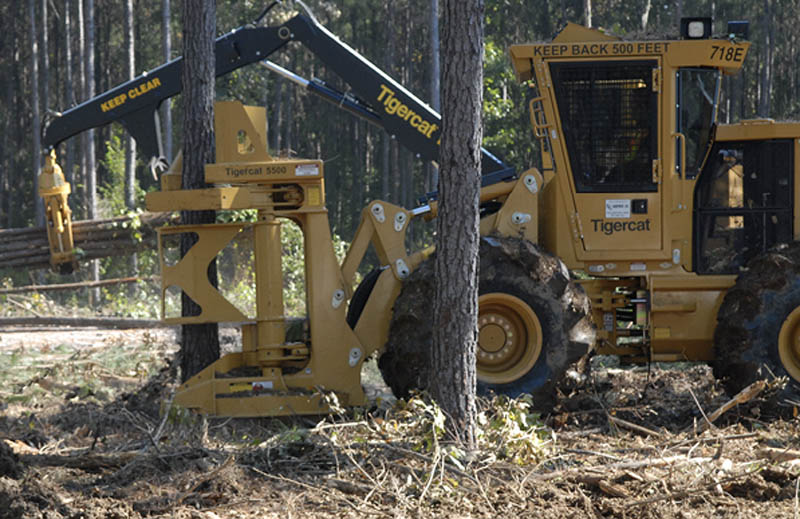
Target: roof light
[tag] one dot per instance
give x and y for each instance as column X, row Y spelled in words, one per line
column 695, row 28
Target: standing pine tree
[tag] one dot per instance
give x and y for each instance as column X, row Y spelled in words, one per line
column 199, row 342
column 453, row 378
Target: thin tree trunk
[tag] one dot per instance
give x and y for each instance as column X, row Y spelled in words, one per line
column 45, row 60
column 646, row 14
column 166, row 44
column 386, row 144
column 587, row 12
column 6, row 155
column 84, row 96
column 288, row 124
column 69, row 163
column 767, row 61
column 130, row 144
column 91, row 159
column 199, row 342
column 456, row 295
column 436, row 103
column 276, row 123
column 16, row 123
column 91, row 168
column 37, row 143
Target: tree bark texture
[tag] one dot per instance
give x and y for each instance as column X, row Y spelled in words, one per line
column 91, row 159
column 69, row 93
column 166, row 44
column 130, row 143
column 767, row 58
column 646, row 14
column 81, row 174
column 91, row 168
column 456, row 298
column 436, row 101
column 199, row 342
column 45, row 60
column 587, row 12
column 37, row 144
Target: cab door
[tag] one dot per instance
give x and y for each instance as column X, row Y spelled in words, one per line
column 609, row 114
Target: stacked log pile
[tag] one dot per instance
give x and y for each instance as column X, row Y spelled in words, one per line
column 28, row 247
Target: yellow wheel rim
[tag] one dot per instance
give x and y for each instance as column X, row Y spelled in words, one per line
column 789, row 344
column 509, row 338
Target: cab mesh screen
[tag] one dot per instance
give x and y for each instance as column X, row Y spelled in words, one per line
column 608, row 115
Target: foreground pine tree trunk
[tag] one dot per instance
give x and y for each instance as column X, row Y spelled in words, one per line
column 199, row 342
column 456, row 301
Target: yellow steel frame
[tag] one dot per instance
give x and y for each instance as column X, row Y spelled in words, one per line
column 270, row 376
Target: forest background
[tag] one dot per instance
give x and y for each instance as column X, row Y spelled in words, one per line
column 46, row 45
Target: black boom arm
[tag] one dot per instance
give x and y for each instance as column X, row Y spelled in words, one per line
column 382, row 100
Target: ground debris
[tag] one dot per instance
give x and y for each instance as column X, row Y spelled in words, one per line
column 631, row 444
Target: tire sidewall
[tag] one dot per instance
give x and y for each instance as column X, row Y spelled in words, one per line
column 552, row 324
column 766, row 327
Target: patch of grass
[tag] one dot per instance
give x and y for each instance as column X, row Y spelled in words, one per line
column 33, row 376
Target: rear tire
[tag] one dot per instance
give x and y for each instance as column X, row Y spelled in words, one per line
column 758, row 324
column 534, row 324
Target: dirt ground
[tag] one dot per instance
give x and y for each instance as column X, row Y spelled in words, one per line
column 85, row 432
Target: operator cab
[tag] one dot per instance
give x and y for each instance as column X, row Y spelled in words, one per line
column 625, row 128
column 744, row 195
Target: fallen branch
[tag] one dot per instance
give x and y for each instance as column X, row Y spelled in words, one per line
column 778, row 455
column 743, row 396
column 82, row 322
column 633, row 427
column 426, row 459
column 680, row 494
column 206, row 478
column 602, row 483
column 623, row 465
column 85, row 462
column 348, row 487
column 20, row 305
column 81, row 284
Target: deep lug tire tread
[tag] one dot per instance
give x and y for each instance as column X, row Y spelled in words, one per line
column 750, row 318
column 512, row 266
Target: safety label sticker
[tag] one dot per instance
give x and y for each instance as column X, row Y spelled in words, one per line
column 618, row 208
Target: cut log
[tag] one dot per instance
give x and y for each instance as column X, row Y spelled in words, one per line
column 81, row 322
column 72, row 286
column 94, row 239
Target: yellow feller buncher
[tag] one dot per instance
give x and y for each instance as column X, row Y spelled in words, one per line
column 657, row 206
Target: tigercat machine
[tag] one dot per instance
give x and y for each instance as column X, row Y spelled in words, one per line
column 682, row 230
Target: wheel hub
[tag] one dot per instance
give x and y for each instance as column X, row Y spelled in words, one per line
column 509, row 338
column 789, row 344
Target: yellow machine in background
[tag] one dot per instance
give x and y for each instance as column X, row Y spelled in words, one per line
column 655, row 206
column 55, row 190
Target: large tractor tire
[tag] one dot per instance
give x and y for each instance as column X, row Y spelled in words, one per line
column 758, row 324
column 534, row 324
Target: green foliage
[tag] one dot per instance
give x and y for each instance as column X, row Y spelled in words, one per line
column 506, row 428
column 510, row 430
column 112, row 191
column 507, row 129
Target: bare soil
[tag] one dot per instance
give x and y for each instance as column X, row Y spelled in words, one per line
column 81, row 436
